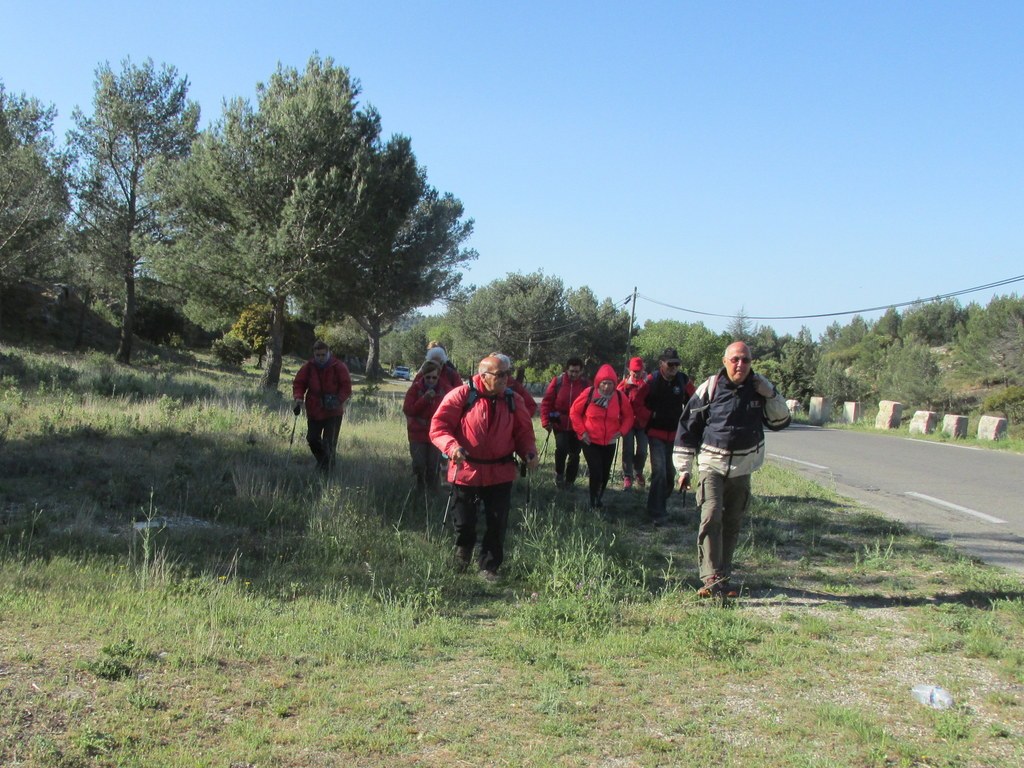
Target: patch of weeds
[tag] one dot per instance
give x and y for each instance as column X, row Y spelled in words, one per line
column 93, row 742
column 953, row 724
column 975, row 577
column 117, row 661
column 568, row 617
column 720, row 635
column 875, row 556
column 143, row 700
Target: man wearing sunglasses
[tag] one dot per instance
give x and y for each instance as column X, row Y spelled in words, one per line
column 481, row 428
column 723, row 426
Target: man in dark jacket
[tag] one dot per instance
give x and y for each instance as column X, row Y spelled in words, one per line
column 325, row 385
column 668, row 389
column 554, row 417
column 723, row 425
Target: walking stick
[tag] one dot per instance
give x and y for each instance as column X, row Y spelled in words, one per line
column 291, row 442
column 451, row 494
column 544, row 448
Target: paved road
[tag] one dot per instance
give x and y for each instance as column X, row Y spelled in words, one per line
column 970, row 496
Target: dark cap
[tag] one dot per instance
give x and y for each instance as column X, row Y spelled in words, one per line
column 670, row 355
column 636, row 364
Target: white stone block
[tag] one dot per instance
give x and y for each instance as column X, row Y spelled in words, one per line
column 954, row 426
column 992, row 428
column 852, row 412
column 794, row 406
column 923, row 422
column 821, row 408
column 890, row 414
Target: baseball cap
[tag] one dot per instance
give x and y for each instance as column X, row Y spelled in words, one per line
column 670, row 355
column 636, row 364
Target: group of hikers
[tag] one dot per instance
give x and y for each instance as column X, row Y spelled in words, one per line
column 483, row 425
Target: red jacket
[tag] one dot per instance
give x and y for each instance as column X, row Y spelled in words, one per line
column 531, row 404
column 419, row 408
column 602, row 425
column 311, row 382
column 636, row 391
column 558, row 398
column 488, row 430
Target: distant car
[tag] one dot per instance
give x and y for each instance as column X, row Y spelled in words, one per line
column 401, row 372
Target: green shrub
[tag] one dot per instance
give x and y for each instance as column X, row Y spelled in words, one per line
column 1009, row 402
column 231, row 351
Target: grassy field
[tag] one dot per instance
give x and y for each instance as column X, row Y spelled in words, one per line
column 179, row 587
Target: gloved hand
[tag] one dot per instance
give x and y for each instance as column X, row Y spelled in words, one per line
column 763, row 387
column 297, row 408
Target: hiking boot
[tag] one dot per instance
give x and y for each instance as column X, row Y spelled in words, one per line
column 559, row 482
column 463, row 556
column 490, row 576
column 627, row 483
column 716, row 586
column 640, row 482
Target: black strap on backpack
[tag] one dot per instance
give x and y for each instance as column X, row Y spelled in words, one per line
column 474, row 395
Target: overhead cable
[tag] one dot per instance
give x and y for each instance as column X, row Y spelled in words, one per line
column 939, row 297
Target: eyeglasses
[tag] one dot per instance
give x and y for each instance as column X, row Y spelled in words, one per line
column 672, row 365
column 496, row 374
column 738, row 360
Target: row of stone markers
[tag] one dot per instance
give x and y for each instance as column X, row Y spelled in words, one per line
column 890, row 415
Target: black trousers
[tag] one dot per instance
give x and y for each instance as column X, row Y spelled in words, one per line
column 599, row 463
column 322, row 436
column 496, row 501
column 567, row 455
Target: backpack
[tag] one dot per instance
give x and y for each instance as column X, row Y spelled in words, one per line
column 474, row 395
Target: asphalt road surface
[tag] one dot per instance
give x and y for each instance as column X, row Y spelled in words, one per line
column 971, row 497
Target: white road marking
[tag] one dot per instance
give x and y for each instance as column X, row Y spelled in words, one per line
column 797, row 461
column 956, row 507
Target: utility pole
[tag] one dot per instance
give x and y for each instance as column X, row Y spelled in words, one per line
column 629, row 333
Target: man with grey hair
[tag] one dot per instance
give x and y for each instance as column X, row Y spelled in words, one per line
column 481, row 427
column 723, row 426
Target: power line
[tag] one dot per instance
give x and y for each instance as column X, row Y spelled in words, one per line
column 939, row 297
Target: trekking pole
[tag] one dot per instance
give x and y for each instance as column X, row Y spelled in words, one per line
column 451, row 494
column 291, row 442
column 544, row 448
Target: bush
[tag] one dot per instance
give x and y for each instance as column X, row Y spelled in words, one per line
column 231, row 351
column 1009, row 402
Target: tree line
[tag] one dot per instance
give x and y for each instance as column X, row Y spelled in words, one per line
column 295, row 206
column 296, row 203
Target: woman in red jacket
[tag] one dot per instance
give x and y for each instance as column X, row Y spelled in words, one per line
column 599, row 416
column 421, row 400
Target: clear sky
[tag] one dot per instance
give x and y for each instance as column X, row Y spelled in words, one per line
column 779, row 158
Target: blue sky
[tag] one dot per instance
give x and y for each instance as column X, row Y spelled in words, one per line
column 783, row 158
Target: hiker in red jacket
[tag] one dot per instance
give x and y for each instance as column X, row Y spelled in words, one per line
column 554, row 416
column 600, row 415
column 516, row 385
column 421, row 401
column 481, row 427
column 325, row 386
column 634, row 442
